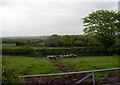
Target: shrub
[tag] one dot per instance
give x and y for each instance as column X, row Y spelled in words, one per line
column 9, row 77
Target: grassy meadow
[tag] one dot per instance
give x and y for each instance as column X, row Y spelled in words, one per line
column 92, row 63
column 38, row 65
column 29, row 65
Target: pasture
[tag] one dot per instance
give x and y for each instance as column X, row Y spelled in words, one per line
column 25, row 65
column 92, row 63
column 29, row 65
column 37, row 65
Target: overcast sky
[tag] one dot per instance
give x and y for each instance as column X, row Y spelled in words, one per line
column 47, row 17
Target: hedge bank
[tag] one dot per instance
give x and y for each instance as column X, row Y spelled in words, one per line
column 81, row 51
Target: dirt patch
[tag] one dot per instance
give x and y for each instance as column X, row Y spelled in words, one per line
column 70, row 80
column 63, row 80
column 113, row 78
column 64, row 68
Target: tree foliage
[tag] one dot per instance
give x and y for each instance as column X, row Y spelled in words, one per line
column 103, row 24
column 70, row 41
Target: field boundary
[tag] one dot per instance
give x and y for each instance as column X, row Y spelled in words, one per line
column 69, row 73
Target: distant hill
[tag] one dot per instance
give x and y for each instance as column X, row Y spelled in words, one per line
column 27, row 37
column 33, row 37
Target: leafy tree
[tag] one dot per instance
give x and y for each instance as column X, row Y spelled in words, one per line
column 78, row 43
column 53, row 41
column 20, row 43
column 103, row 24
column 68, row 41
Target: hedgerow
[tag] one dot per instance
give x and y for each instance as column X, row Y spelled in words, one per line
column 81, row 51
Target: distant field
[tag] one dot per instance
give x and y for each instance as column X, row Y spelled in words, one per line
column 29, row 65
column 8, row 45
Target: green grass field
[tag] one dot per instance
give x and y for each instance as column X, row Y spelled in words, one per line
column 29, row 65
column 92, row 63
column 8, row 45
column 42, row 65
column 37, row 65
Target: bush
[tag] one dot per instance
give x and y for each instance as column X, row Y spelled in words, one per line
column 9, row 77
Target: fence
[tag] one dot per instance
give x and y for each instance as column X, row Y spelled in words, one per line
column 69, row 73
